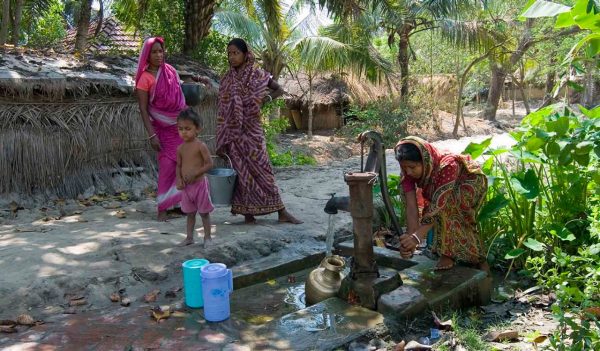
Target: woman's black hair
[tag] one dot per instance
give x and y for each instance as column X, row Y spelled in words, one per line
column 190, row 115
column 239, row 43
column 408, row 152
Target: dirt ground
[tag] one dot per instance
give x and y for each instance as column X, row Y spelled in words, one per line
column 327, row 148
column 54, row 253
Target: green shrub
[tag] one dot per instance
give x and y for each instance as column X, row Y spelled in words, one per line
column 272, row 129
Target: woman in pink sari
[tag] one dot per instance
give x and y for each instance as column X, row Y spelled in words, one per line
column 240, row 135
column 161, row 99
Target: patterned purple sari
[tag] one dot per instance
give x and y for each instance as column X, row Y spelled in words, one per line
column 240, row 136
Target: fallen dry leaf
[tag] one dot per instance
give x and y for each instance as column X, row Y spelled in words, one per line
column 180, row 328
column 413, row 345
column 178, row 314
column 121, row 214
column 594, row 311
column 540, row 339
column 25, row 319
column 400, row 346
column 8, row 328
column 151, row 296
column 79, row 301
column 158, row 313
column 502, row 336
column 125, row 302
column 115, row 297
column 70, row 310
column 446, row 325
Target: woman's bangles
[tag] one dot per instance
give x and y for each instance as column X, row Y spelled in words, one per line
column 417, row 238
column 151, row 136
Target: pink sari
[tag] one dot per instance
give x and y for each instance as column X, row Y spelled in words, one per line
column 240, row 136
column 165, row 101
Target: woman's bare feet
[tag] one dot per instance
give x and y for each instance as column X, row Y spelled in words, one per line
column 484, row 266
column 285, row 216
column 186, row 242
column 444, row 263
column 162, row 216
column 207, row 243
column 249, row 219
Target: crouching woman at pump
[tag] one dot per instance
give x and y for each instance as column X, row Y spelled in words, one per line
column 451, row 188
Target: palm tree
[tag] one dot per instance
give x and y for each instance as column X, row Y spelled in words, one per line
column 197, row 18
column 403, row 18
column 83, row 25
column 283, row 39
column 5, row 21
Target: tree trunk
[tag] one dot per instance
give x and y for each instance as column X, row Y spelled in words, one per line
column 589, row 84
column 5, row 21
column 461, row 86
column 496, row 87
column 100, row 19
column 310, row 107
column 17, row 22
column 198, row 17
column 403, row 58
column 83, row 26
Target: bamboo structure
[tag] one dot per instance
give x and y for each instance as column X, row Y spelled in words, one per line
column 61, row 133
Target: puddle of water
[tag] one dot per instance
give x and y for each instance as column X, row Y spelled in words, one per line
column 260, row 303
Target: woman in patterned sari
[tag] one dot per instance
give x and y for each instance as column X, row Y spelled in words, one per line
column 161, row 99
column 451, row 189
column 243, row 90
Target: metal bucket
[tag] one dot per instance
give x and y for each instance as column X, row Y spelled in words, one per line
column 221, row 182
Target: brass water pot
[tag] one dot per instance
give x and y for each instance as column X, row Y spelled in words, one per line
column 324, row 281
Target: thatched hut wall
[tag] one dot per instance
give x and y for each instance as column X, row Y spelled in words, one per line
column 331, row 96
column 62, row 132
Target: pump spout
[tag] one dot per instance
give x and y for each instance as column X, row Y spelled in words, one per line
column 336, row 203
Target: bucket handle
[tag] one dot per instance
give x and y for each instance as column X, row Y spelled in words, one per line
column 229, row 159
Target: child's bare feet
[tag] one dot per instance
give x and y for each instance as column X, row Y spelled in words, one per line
column 162, row 216
column 207, row 243
column 249, row 219
column 285, row 216
column 186, row 242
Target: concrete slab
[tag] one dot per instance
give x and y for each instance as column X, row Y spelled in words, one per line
column 458, row 287
column 403, row 302
column 384, row 257
column 272, row 267
column 324, row 326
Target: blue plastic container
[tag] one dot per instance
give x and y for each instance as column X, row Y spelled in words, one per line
column 192, row 282
column 217, row 284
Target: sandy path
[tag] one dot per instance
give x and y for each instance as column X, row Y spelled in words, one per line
column 91, row 252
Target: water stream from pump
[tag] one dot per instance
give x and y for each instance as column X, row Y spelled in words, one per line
column 329, row 237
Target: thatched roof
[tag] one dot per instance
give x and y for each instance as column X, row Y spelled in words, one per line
column 334, row 89
column 112, row 38
column 50, row 76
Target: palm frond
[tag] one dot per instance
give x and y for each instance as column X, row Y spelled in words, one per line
column 450, row 8
column 236, row 24
column 273, row 15
column 468, row 34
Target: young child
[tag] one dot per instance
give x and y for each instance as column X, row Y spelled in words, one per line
column 193, row 160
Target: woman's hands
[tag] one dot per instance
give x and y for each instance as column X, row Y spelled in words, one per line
column 408, row 245
column 154, row 143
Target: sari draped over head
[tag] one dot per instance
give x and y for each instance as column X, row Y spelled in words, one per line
column 453, row 188
column 240, row 136
column 165, row 102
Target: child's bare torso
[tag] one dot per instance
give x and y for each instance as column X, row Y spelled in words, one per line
column 191, row 160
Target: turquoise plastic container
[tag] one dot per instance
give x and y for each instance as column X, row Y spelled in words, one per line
column 192, row 282
column 217, row 284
